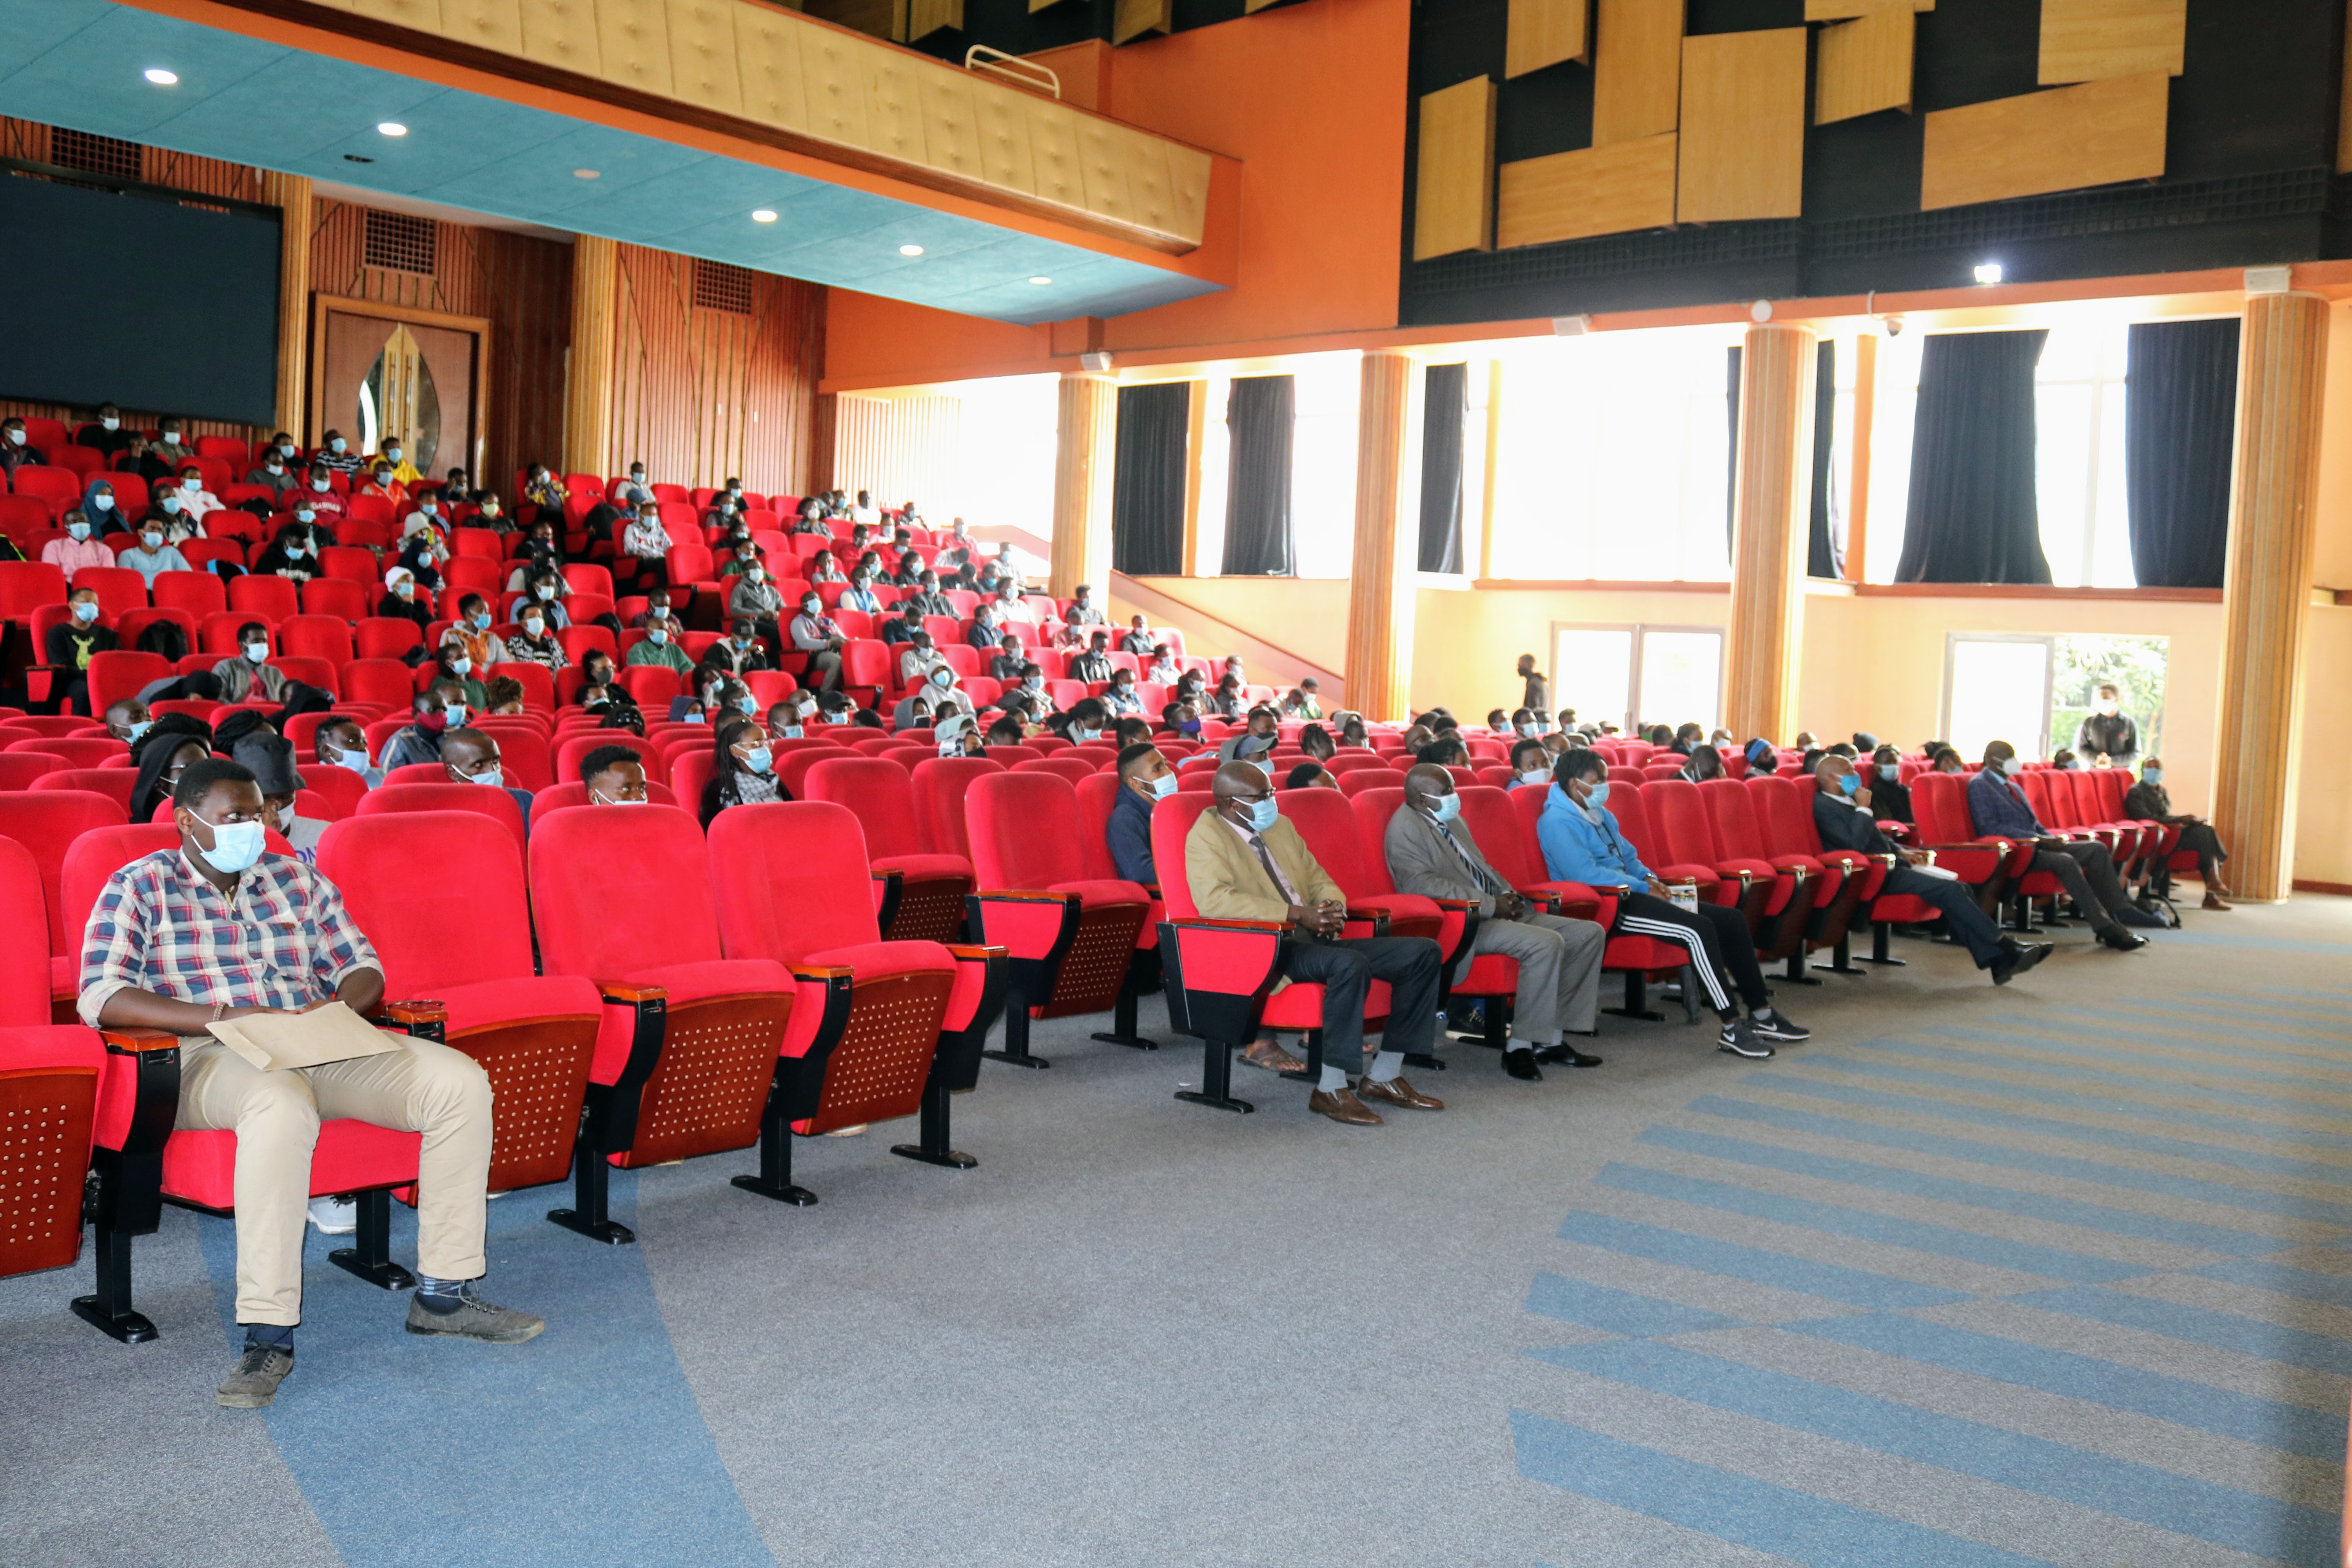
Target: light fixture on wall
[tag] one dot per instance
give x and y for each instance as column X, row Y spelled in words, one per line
column 161, row 76
column 910, row 250
column 2269, row 279
column 1097, row 362
column 1988, row 272
column 1760, row 311
column 764, row 215
column 1570, row 326
column 587, row 175
column 390, row 128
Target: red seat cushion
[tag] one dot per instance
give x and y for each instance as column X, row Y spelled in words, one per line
column 201, row 1166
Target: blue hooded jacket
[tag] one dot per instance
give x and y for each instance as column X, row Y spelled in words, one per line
column 1577, row 849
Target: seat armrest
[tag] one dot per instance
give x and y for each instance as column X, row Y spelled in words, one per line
column 974, row 1007
column 129, row 1042
column 886, row 896
column 1030, row 925
column 1220, row 973
column 426, row 1020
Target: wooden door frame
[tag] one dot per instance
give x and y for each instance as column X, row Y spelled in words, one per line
column 324, row 305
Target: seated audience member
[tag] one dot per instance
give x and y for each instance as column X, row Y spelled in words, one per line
column 1162, row 668
column 794, row 718
column 108, row 434
column 2062, row 759
column 541, row 491
column 864, row 512
column 817, row 634
column 471, row 633
column 1179, row 717
column 658, row 612
column 624, row 715
column 336, row 455
column 289, row 556
column 1303, row 702
column 984, row 634
column 740, row 650
column 614, row 776
column 599, row 683
column 835, row 708
column 1845, row 812
column 822, row 567
column 1805, row 742
column 1257, row 741
column 440, row 712
column 1310, row 776
column 126, row 718
column 237, row 678
column 1581, row 844
column 1762, row 759
column 1530, row 765
column 271, row 759
column 1445, row 751
column 1890, row 797
column 648, row 543
column 15, row 449
column 1500, row 722
column 274, row 473
column 861, row 595
column 72, row 643
column 1004, row 665
column 1094, row 666
column 400, row 600
column 77, row 549
column 318, row 494
column 2146, row 801
column 217, row 928
column 170, row 444
column 744, row 772
column 1227, row 701
column 199, row 502
column 659, row 646
column 472, row 757
column 1139, row 639
column 1432, row 852
column 422, row 556
column 1705, row 762
column 928, row 599
column 535, row 644
column 1353, row 733
column 490, row 512
column 634, row 491
column 899, row 624
column 1005, row 731
column 1084, row 611
column 917, row 658
column 103, row 510
column 151, row 556
column 1246, row 861
column 462, row 672
column 2085, row 868
column 1315, row 741
column 1145, row 780
column 176, row 743
column 339, row 742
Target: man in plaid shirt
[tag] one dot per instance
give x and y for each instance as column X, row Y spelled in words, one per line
column 217, row 929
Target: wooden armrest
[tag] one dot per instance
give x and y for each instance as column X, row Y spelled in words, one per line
column 629, row 995
column 416, row 1012
column 1026, row 895
column 1459, row 906
column 963, row 950
column 132, row 1042
column 1235, row 925
column 821, row 972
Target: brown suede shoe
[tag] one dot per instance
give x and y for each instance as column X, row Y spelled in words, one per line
column 1265, row 1054
column 2213, row 901
column 1342, row 1106
column 1396, row 1091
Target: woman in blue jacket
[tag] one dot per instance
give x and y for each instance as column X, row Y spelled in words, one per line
column 1581, row 844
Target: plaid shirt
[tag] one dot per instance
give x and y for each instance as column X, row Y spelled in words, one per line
column 282, row 940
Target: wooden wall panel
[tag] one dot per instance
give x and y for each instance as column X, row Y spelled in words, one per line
column 1544, row 32
column 768, row 61
column 1594, row 190
column 1453, row 190
column 704, row 395
column 2062, row 140
column 1743, row 127
column 485, row 23
column 564, row 34
column 633, row 41
column 2092, row 40
column 1133, row 18
column 1637, row 63
column 1864, row 65
column 925, row 17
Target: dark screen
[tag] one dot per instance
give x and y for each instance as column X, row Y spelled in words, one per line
column 141, row 302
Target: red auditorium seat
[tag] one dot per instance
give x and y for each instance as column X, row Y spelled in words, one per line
column 27, row 585
column 940, row 786
column 1640, row 959
column 347, row 601
column 120, row 589
column 339, row 789
column 113, row 783
column 84, row 751
column 60, row 487
column 1069, row 937
column 571, row 752
column 1940, row 810
column 1849, row 881
column 385, row 682
column 879, row 1030
column 1731, row 809
column 922, row 896
column 403, row 799
column 1098, row 793
column 557, row 796
column 689, row 1051
column 263, row 598
column 534, row 1035
column 47, row 823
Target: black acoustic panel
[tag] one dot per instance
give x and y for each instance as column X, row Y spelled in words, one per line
column 1704, row 17
column 1973, row 51
column 2260, row 90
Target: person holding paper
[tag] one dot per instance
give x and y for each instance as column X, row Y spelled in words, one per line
column 219, row 930
column 1844, row 818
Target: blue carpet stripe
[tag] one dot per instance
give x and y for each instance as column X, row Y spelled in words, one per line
column 1732, row 1507
column 1997, row 1089
column 2284, row 1280
column 1831, row 1281
column 2139, row 1081
column 1619, row 1311
column 2253, row 1200
column 2250, row 1063
column 1832, row 1219
column 2315, row 1434
column 2198, row 1325
column 1972, row 1194
column 2183, row 1504
column 2284, row 1028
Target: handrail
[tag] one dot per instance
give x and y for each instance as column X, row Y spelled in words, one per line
column 998, row 63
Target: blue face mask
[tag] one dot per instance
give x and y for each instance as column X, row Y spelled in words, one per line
column 1262, row 814
column 1850, row 784
column 2151, row 776
column 748, row 706
column 757, row 759
column 236, row 847
column 1163, row 786
column 482, row 622
column 1600, row 795
column 1445, row 808
column 1890, row 771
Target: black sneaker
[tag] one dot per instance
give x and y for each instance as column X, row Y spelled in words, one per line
column 1739, row 1039
column 1785, row 1030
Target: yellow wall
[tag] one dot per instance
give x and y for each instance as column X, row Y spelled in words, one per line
column 2322, row 824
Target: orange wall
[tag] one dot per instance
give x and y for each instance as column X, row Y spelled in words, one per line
column 1311, row 98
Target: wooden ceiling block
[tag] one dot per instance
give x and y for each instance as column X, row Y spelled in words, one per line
column 1454, row 204
column 1839, row 10
column 1864, row 65
column 564, row 34
column 1743, row 126
column 2062, row 139
column 1134, row 18
column 768, row 67
column 1546, row 32
column 925, row 17
column 1615, row 189
column 1637, row 66
column 488, row 24
column 702, row 53
column 2094, row 40
column 424, row 15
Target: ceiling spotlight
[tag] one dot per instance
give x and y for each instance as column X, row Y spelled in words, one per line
column 1041, row 280
column 587, row 174
column 764, row 215
column 161, row 76
column 910, row 250
column 392, row 128
column 1989, row 272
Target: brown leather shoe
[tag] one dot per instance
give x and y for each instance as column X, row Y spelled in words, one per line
column 1342, row 1106
column 1265, row 1054
column 1396, row 1091
column 2213, row 901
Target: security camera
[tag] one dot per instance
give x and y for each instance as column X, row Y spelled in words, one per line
column 1894, row 325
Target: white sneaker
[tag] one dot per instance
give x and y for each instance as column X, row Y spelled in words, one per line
column 335, row 1216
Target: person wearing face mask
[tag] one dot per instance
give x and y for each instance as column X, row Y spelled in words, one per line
column 1162, row 668
column 198, row 501
column 535, row 643
column 15, row 446
column 815, row 635
column 1845, row 809
column 421, row 556
column 217, row 928
column 1246, row 861
column 341, row 744
column 861, row 595
column 1581, row 843
column 458, row 669
column 1094, row 667
column 171, row 445
column 599, row 684
column 2084, row 867
column 1145, row 780
column 103, row 508
column 1762, row 759
column 911, row 573
column 471, row 634
column 490, row 512
column 1004, row 665
column 740, row 651
column 1084, row 611
column 634, row 491
column 317, row 492
column 336, row 454
column 1890, row 797
column 471, row 756
column 1432, row 852
column 614, row 776
column 927, row 599
column 938, row 692
column 72, row 643
column 151, row 556
column 2107, row 737
column 1121, row 698
column 754, row 597
column 659, row 645
column 1227, row 701
column 645, row 541
column 107, row 434
column 391, row 457
column 745, row 771
column 1705, row 762
column 2147, row 800
column 1256, row 742
column 543, row 492
column 127, row 719
column 440, row 713
column 1531, row 763
column 402, row 601
column 289, row 556
column 270, row 758
column 917, row 659
column 77, row 549
column 547, row 589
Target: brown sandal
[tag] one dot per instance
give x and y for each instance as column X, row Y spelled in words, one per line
column 1263, row 1053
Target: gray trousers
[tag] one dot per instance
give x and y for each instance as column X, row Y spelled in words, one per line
column 1560, row 971
column 2087, row 872
column 824, row 673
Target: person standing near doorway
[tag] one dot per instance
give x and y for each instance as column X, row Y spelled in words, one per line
column 1539, row 690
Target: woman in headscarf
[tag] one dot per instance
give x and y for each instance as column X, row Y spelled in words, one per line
column 99, row 504
column 744, row 772
column 164, row 753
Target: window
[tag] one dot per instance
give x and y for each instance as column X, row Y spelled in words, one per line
column 2034, row 691
column 1615, row 459
column 1639, row 674
column 719, row 287
column 1323, row 464
column 401, row 242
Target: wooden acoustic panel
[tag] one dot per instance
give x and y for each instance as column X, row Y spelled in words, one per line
column 1614, row 189
column 1839, row 10
column 925, row 17
column 1637, row 64
column 1743, row 127
column 1864, row 65
column 1134, row 18
column 2094, row 40
column 2062, row 139
column 1453, row 207
column 1544, row 32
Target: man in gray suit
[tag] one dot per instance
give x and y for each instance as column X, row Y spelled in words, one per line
column 1432, row 854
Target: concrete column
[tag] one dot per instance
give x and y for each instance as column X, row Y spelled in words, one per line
column 2266, row 593
column 588, row 373
column 1388, row 534
column 1771, row 501
column 1088, row 438
column 290, row 194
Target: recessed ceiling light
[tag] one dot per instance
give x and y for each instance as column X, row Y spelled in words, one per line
column 587, row 174
column 392, row 128
column 161, row 76
column 910, row 250
column 1989, row 273
column 764, row 215
column 1041, row 280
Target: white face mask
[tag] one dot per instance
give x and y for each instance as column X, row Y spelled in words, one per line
column 493, row 775
column 357, row 761
column 17, row 438
column 78, row 529
column 152, row 541
column 461, row 665
column 236, row 846
column 111, row 423
column 255, row 652
column 105, row 503
column 2013, row 767
column 336, row 444
column 171, row 437
column 1534, row 776
column 321, row 486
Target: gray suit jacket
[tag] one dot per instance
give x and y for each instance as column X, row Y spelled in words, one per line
column 1420, row 863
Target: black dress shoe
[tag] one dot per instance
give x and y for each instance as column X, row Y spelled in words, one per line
column 1521, row 1064
column 2121, row 940
column 2016, row 958
column 1567, row 1053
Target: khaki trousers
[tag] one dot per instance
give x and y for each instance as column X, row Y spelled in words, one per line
column 427, row 1088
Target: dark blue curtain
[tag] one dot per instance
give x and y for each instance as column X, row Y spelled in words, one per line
column 1147, row 504
column 1973, row 515
column 2180, row 427
column 1445, row 399
column 1260, row 421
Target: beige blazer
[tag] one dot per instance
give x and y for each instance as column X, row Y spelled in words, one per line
column 1228, row 883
